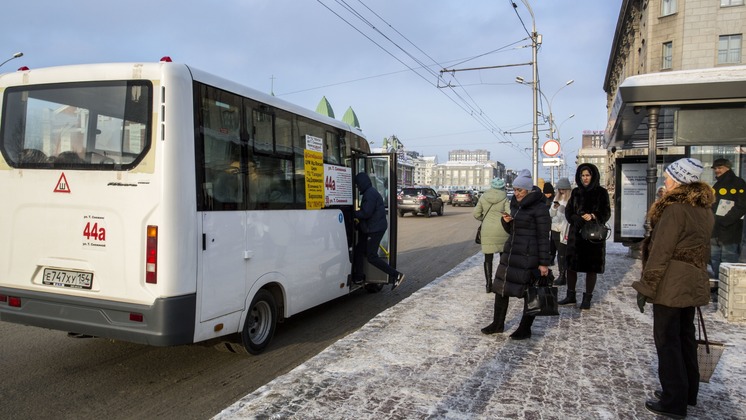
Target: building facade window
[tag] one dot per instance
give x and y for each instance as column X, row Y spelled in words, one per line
column 729, row 49
column 667, row 58
column 726, row 3
column 668, row 7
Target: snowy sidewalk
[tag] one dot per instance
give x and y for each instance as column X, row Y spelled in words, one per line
column 426, row 358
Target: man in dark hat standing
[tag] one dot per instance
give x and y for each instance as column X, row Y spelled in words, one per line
column 729, row 208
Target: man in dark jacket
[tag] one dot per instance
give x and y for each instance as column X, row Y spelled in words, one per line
column 372, row 225
column 729, row 209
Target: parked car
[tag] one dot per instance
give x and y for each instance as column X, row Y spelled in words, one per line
column 445, row 195
column 463, row 198
column 419, row 200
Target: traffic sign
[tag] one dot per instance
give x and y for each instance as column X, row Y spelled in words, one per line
column 551, row 162
column 551, row 147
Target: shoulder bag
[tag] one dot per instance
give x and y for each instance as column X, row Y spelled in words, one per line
column 478, row 238
column 541, row 297
column 594, row 231
column 708, row 352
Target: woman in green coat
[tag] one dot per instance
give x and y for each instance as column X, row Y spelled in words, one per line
column 489, row 210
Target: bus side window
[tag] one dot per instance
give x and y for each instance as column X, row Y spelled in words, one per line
column 227, row 191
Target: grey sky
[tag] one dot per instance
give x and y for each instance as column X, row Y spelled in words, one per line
column 302, row 51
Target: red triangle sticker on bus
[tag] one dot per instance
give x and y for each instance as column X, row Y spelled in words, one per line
column 62, row 185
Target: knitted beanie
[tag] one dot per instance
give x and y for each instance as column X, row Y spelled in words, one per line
column 498, row 184
column 523, row 180
column 685, row 171
column 564, row 184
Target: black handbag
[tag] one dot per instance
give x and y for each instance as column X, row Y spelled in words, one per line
column 594, row 231
column 541, row 297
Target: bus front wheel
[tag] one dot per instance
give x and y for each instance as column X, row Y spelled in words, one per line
column 260, row 322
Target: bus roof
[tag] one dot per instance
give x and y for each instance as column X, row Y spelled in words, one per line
column 154, row 71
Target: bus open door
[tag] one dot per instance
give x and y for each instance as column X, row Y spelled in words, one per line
column 381, row 168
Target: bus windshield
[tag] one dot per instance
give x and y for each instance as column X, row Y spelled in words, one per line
column 92, row 125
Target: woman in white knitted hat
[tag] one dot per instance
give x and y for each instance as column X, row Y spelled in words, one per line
column 674, row 279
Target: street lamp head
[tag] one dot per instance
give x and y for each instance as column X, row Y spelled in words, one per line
column 16, row 55
column 519, row 79
column 569, row 82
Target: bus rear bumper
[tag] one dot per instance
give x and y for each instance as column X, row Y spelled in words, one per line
column 167, row 322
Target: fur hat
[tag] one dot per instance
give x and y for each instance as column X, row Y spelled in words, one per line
column 523, row 180
column 685, row 171
column 498, row 184
column 564, row 184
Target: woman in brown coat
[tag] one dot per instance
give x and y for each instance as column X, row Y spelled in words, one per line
column 674, row 278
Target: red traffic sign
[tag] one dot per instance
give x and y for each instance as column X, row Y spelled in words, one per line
column 551, row 147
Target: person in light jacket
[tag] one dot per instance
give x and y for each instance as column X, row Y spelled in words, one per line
column 489, row 210
column 674, row 278
column 559, row 226
column 525, row 255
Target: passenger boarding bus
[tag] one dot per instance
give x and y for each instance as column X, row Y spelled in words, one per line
column 156, row 203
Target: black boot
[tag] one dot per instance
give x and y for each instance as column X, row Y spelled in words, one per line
column 561, row 280
column 488, row 275
column 498, row 322
column 570, row 299
column 586, row 304
column 524, row 329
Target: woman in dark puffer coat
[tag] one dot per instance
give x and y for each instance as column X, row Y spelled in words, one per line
column 525, row 254
column 589, row 201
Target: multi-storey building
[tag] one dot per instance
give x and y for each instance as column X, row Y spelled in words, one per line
column 460, row 155
column 676, row 87
column 593, row 151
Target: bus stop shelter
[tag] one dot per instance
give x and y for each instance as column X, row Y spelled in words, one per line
column 666, row 116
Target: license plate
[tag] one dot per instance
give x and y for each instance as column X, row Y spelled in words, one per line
column 66, row 278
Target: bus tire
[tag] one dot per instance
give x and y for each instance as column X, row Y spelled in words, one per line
column 260, row 322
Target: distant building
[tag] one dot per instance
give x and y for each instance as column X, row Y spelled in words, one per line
column 423, row 170
column 593, row 151
column 481, row 156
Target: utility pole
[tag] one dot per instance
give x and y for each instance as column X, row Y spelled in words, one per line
column 535, row 42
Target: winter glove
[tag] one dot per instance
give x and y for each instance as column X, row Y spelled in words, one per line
column 641, row 300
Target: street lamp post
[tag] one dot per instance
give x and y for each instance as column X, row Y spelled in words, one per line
column 16, row 55
column 535, row 42
column 552, row 126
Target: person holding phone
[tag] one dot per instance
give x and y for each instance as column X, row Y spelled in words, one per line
column 525, row 255
column 559, row 226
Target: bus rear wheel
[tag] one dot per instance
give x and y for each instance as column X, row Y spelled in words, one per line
column 260, row 322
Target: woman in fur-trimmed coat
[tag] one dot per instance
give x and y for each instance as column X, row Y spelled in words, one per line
column 674, row 278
